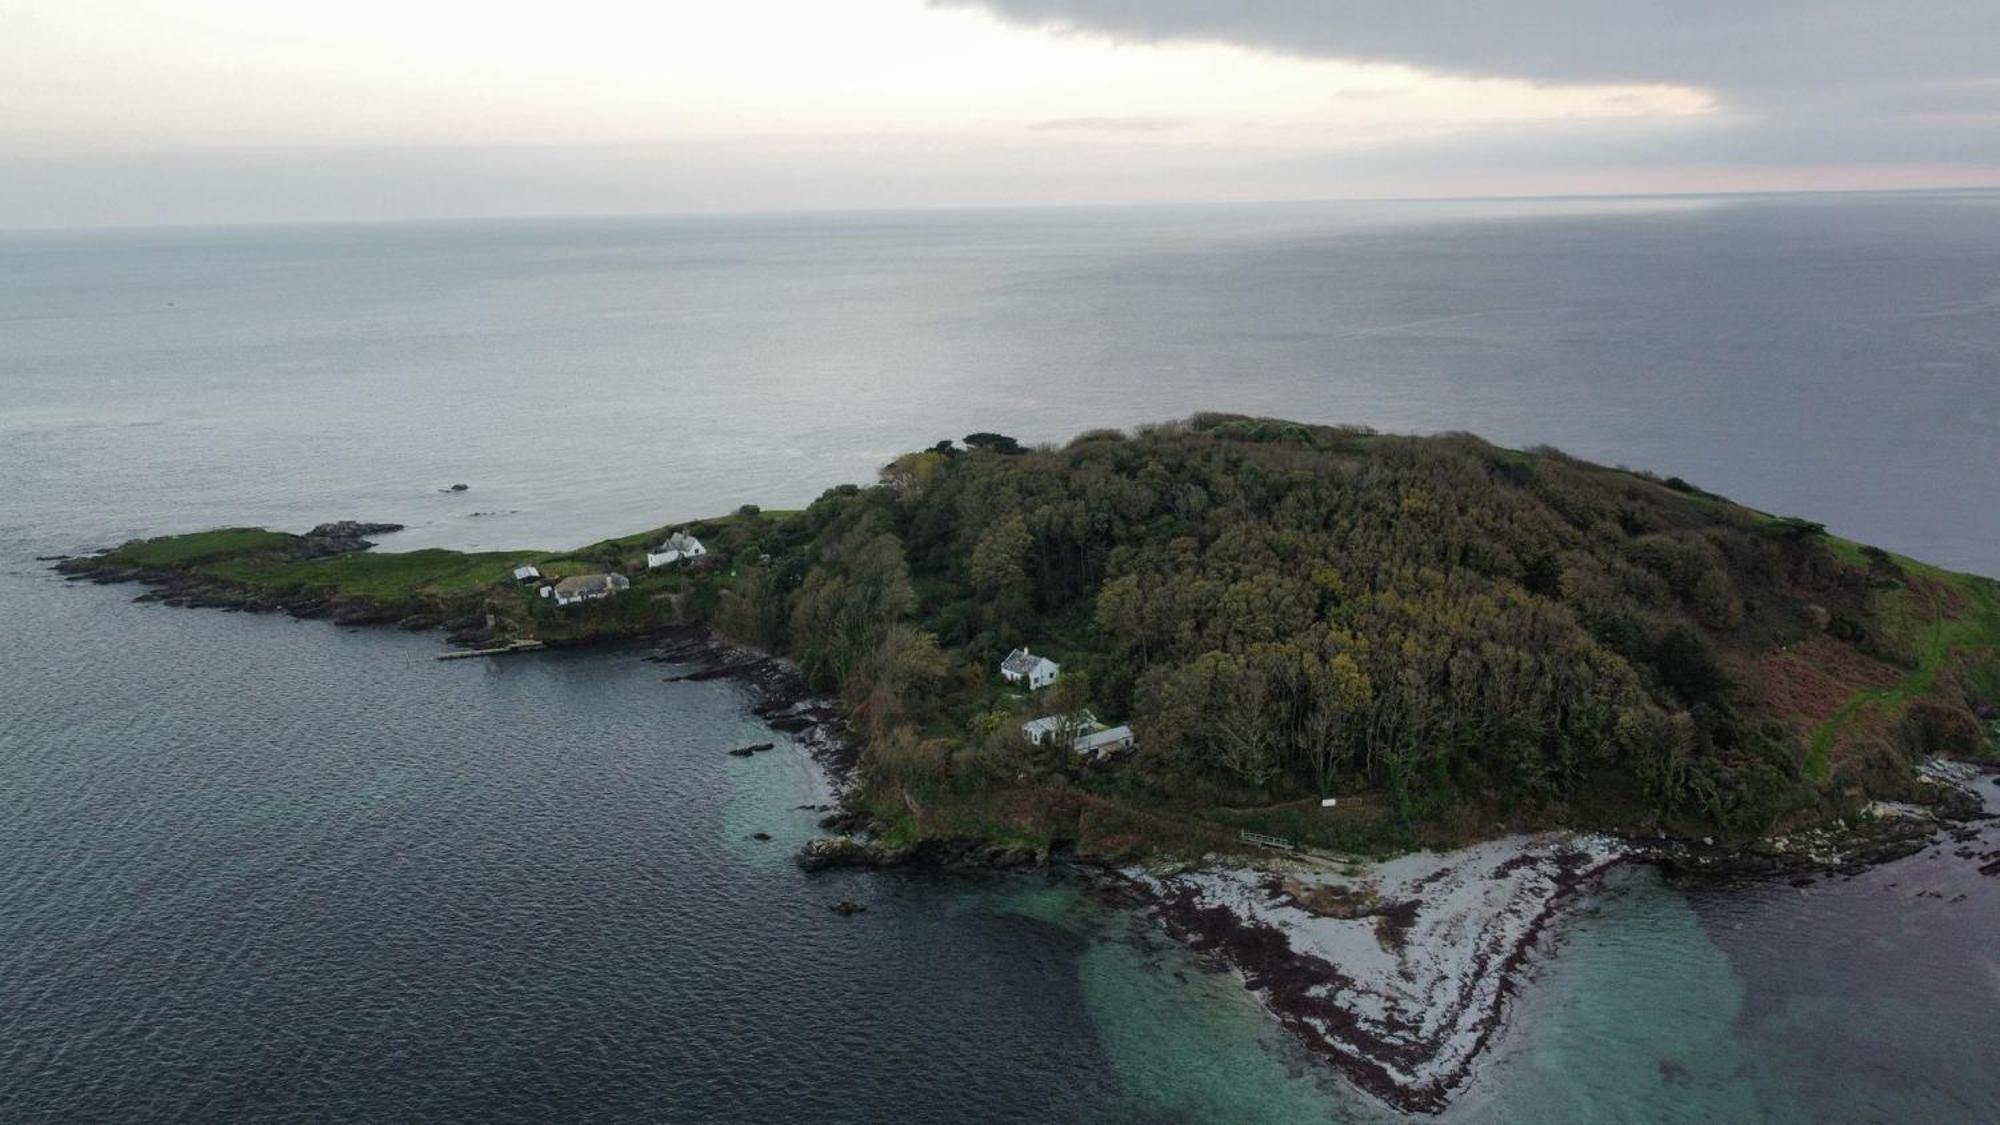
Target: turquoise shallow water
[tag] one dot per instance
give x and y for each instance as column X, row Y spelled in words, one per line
column 254, row 869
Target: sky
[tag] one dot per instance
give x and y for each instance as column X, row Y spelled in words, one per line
column 133, row 112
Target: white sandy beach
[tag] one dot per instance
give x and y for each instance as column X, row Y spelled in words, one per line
column 1423, row 948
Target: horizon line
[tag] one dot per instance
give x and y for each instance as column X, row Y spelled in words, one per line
column 980, row 209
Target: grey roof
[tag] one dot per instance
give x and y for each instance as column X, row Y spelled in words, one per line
column 593, row 585
column 1020, row 662
column 1055, row 724
column 1115, row 736
column 680, row 541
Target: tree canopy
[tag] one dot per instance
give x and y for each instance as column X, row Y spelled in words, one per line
column 1284, row 611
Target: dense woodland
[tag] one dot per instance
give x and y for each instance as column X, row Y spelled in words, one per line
column 1285, row 611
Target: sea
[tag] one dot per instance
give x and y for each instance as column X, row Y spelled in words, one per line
column 255, row 869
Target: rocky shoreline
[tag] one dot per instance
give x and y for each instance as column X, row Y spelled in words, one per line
column 775, row 692
column 188, row 589
column 1397, row 973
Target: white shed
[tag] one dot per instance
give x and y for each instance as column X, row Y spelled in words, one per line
column 1039, row 731
column 1104, row 743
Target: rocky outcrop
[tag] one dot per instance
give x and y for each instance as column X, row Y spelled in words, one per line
column 829, row 852
column 778, row 694
column 1835, row 848
column 183, row 587
column 963, row 853
column 351, row 529
column 1882, row 833
column 342, row 536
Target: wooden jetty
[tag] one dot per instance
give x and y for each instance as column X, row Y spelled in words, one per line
column 497, row 650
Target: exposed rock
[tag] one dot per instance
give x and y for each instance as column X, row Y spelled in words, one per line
column 844, row 821
column 760, row 836
column 847, row 908
column 724, row 671
column 845, row 851
column 1003, row 858
column 367, row 613
column 339, row 538
column 351, row 529
column 456, row 488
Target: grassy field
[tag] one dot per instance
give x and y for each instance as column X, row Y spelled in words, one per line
column 183, row 550
column 455, row 581
column 397, row 576
column 1948, row 624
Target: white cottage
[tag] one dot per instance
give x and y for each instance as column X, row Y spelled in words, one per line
column 527, row 575
column 680, row 547
column 590, row 588
column 1024, row 667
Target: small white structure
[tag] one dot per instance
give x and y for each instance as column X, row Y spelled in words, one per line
column 1104, row 743
column 1082, row 732
column 527, row 575
column 590, row 588
column 1059, row 727
column 1024, row 667
column 680, row 547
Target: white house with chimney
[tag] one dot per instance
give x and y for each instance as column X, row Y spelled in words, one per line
column 1031, row 671
column 680, row 547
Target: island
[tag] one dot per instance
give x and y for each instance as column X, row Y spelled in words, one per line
column 1355, row 713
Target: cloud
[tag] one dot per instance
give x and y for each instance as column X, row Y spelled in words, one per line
column 1856, row 78
column 1772, row 45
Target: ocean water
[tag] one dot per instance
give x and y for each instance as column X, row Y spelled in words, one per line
column 1829, row 357
column 256, row 869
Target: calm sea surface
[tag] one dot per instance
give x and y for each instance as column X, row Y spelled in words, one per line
column 255, row 869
